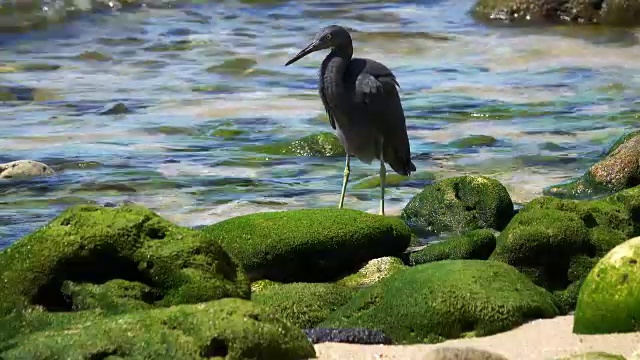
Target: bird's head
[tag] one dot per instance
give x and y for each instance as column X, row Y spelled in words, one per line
column 329, row 37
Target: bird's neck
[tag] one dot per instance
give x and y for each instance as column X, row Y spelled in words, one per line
column 333, row 69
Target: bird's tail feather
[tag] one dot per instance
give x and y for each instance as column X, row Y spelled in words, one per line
column 399, row 160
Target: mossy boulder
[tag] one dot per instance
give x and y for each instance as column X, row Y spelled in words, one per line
column 460, row 204
column 304, row 305
column 308, row 245
column 444, row 300
column 609, row 299
column 227, row 328
column 476, row 244
column 374, row 271
column 90, row 244
column 619, row 170
column 114, row 296
column 608, row 12
column 555, row 241
column 320, row 144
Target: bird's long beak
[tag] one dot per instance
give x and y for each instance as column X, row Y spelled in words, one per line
column 304, row 52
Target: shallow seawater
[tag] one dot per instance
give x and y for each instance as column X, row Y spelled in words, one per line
column 554, row 98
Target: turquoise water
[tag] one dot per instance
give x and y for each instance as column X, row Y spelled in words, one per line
column 554, row 98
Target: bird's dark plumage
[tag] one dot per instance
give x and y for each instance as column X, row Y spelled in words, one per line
column 361, row 99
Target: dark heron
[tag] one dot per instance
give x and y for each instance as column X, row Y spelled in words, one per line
column 361, row 99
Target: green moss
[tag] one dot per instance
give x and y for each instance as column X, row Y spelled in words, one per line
column 262, row 285
column 304, row 305
column 114, row 296
column 565, row 300
column 593, row 355
column 320, row 144
column 227, row 328
column 94, row 244
column 237, row 66
column 228, row 133
column 541, row 243
column 446, row 299
column 476, row 244
column 609, row 300
column 557, row 242
column 473, row 141
column 94, row 56
column 312, row 245
column 612, row 174
column 460, row 204
column 374, row 271
column 609, row 222
column 392, row 180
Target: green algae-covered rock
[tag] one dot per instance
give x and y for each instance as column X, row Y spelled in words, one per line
column 227, row 328
column 548, row 234
column 609, row 299
column 446, row 299
column 618, row 170
column 320, row 144
column 473, row 141
column 308, row 245
column 90, row 244
column 114, row 296
column 374, row 271
column 476, row 244
column 393, row 179
column 460, row 204
column 304, row 305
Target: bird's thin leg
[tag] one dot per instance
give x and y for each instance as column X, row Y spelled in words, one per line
column 383, row 180
column 345, row 179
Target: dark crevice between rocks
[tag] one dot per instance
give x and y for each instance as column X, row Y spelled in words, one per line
column 97, row 267
column 215, row 348
column 101, row 355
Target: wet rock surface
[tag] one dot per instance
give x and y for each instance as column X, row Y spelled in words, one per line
column 349, row 335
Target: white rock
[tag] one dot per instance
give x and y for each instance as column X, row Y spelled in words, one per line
column 24, row 169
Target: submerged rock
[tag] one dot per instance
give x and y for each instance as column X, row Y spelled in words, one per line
column 619, row 170
column 24, row 169
column 349, row 336
column 473, row 141
column 227, row 328
column 71, row 262
column 460, row 204
column 416, row 179
column 308, row 245
column 444, row 300
column 320, row 144
column 476, row 244
column 605, row 12
column 304, row 305
column 609, row 300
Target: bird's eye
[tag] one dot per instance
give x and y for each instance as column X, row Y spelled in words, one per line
column 328, row 37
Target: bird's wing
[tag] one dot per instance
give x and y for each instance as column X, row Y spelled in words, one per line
column 376, row 90
column 327, row 107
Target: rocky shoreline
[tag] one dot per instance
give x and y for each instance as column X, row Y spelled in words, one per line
column 123, row 282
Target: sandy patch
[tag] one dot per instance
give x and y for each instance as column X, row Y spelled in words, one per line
column 537, row 340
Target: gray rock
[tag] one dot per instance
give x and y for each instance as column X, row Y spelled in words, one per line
column 347, row 335
column 24, row 169
column 462, row 353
